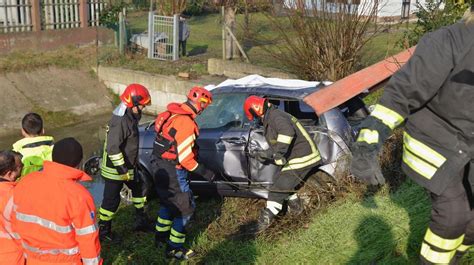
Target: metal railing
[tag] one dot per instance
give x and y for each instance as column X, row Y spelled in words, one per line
column 36, row 15
column 95, row 8
column 60, row 14
column 15, row 15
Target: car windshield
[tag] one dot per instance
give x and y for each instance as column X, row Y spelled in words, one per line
column 225, row 110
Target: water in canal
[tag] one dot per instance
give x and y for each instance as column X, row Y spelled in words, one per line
column 90, row 134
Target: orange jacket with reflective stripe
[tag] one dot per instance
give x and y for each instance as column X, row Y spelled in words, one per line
column 55, row 216
column 186, row 133
column 10, row 250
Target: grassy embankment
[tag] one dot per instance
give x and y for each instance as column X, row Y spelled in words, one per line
column 383, row 226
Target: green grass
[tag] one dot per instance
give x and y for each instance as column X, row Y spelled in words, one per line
column 67, row 57
column 385, row 228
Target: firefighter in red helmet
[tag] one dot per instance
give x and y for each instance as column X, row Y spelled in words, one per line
column 120, row 160
column 174, row 156
column 291, row 148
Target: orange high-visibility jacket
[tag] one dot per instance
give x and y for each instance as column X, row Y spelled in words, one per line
column 55, row 216
column 10, row 248
column 186, row 133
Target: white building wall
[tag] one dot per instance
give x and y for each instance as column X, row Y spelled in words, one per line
column 387, row 8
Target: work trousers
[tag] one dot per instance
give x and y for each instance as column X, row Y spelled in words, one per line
column 182, row 47
column 286, row 183
column 451, row 229
column 176, row 202
column 111, row 200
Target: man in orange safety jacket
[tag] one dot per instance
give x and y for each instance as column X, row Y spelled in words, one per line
column 174, row 157
column 10, row 249
column 54, row 215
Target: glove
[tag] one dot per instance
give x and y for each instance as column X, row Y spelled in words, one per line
column 204, row 172
column 125, row 177
column 123, row 172
column 365, row 164
column 264, row 155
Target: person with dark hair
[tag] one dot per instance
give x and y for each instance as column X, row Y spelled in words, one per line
column 120, row 159
column 10, row 168
column 432, row 96
column 35, row 147
column 54, row 215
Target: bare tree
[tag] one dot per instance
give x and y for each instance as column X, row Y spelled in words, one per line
column 170, row 7
column 322, row 40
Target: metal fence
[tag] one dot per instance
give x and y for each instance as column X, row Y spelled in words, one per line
column 15, row 15
column 60, row 14
column 36, row 15
column 95, row 8
column 163, row 37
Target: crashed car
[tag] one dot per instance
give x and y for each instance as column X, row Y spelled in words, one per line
column 227, row 137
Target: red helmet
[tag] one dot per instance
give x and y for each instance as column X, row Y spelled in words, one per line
column 254, row 107
column 135, row 95
column 200, row 97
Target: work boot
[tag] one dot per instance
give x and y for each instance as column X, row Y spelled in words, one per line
column 295, row 206
column 161, row 238
column 179, row 253
column 264, row 221
column 141, row 222
column 105, row 232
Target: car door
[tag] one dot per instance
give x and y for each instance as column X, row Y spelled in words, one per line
column 223, row 138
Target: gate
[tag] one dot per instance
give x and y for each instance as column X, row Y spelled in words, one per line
column 163, row 37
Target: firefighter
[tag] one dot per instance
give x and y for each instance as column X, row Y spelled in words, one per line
column 54, row 215
column 291, row 148
column 432, row 94
column 10, row 168
column 35, row 147
column 174, row 156
column 120, row 158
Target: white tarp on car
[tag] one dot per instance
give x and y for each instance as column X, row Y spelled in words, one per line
column 257, row 80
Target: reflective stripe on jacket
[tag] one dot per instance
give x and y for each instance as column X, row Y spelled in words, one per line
column 34, row 151
column 433, row 92
column 290, row 140
column 186, row 134
column 120, row 147
column 10, row 250
column 55, row 216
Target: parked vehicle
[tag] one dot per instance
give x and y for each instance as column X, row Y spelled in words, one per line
column 227, row 138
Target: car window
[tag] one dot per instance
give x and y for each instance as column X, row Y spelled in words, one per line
column 226, row 110
column 300, row 110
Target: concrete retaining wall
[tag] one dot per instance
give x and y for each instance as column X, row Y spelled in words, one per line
column 71, row 93
column 233, row 69
column 52, row 39
column 163, row 89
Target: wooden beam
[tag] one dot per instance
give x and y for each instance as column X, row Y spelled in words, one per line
column 238, row 44
column 354, row 84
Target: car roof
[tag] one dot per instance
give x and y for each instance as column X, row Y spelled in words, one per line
column 266, row 90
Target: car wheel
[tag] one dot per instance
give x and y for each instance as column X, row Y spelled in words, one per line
column 317, row 190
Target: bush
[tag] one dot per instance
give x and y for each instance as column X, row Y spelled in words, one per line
column 195, row 7
column 110, row 16
column 432, row 16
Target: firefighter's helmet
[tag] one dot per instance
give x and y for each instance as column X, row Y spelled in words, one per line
column 254, row 106
column 200, row 97
column 135, row 95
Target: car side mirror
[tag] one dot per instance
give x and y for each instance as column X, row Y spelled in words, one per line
column 92, row 166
